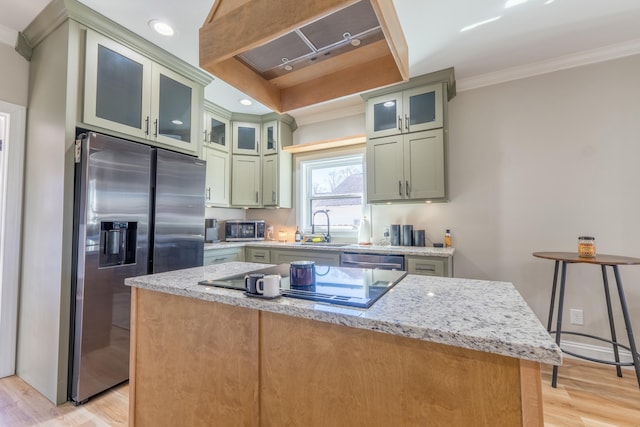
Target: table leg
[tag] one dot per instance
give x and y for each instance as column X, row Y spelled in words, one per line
column 607, row 296
column 553, row 296
column 554, row 380
column 627, row 322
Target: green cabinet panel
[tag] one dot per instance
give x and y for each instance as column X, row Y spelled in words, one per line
column 280, row 256
column 219, row 256
column 429, row 266
column 245, row 181
column 257, row 255
column 407, row 167
column 218, row 188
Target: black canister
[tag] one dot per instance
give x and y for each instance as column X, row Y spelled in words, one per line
column 407, row 235
column 395, row 235
column 302, row 275
column 419, row 238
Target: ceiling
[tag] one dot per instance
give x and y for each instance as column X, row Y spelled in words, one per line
column 531, row 32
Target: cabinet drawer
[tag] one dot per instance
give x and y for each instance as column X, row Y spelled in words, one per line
column 319, row 257
column 218, row 256
column 428, row 266
column 258, row 255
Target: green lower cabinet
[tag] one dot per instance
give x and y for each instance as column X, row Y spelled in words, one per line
column 429, row 266
column 218, row 256
column 280, row 256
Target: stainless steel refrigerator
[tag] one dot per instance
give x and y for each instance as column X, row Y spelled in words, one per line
column 138, row 210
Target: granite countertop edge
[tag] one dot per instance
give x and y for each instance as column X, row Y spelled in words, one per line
column 448, row 311
column 347, row 247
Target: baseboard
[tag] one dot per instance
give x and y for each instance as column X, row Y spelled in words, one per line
column 595, row 351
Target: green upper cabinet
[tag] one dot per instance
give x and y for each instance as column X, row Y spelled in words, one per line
column 270, row 137
column 218, row 181
column 246, row 138
column 406, row 167
column 411, row 110
column 245, row 181
column 128, row 93
column 217, row 128
column 407, row 132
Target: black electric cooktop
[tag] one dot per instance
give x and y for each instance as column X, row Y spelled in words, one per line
column 355, row 287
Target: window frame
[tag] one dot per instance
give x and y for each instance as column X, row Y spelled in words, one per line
column 303, row 202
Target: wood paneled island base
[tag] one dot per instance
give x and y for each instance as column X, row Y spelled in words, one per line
column 200, row 363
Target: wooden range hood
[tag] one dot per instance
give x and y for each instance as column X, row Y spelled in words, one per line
column 289, row 54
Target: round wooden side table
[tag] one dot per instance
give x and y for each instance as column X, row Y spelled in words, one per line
column 603, row 261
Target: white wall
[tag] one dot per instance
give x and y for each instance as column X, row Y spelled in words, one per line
column 533, row 164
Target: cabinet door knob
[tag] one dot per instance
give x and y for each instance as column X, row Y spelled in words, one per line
column 407, row 188
column 273, row 196
column 146, row 126
column 400, row 188
column 155, row 124
column 208, row 193
column 256, row 197
column 406, row 122
column 205, row 136
column 400, row 123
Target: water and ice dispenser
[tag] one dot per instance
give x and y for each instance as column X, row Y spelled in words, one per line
column 118, row 242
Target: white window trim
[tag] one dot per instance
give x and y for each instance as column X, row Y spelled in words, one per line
column 341, row 233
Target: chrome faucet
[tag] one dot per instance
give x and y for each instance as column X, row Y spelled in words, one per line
column 327, row 237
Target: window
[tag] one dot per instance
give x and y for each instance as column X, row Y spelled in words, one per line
column 334, row 182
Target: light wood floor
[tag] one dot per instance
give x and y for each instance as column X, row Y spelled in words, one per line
column 588, row 395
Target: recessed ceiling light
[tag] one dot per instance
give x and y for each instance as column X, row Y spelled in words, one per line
column 549, row 1
column 161, row 27
column 288, row 67
column 176, row 122
column 511, row 3
column 355, row 42
column 477, row 24
column 246, row 102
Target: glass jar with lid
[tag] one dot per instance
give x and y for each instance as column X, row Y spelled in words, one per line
column 586, row 247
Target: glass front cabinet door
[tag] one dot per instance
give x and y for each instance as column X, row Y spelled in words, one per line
column 270, row 137
column 174, row 108
column 246, row 138
column 117, row 87
column 216, row 132
column 128, row 93
column 412, row 110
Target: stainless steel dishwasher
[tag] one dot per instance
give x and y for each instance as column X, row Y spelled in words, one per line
column 380, row 261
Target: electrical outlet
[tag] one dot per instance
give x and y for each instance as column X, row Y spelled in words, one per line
column 576, row 316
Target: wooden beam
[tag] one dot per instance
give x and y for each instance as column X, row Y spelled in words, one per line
column 257, row 22
column 238, row 75
column 359, row 78
column 392, row 30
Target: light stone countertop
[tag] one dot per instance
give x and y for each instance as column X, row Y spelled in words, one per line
column 348, row 247
column 474, row 314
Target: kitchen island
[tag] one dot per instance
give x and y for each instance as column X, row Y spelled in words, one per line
column 432, row 351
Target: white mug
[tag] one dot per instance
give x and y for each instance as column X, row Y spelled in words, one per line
column 269, row 286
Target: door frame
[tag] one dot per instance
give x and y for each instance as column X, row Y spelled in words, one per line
column 11, row 231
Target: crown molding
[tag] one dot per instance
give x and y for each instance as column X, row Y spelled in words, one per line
column 607, row 53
